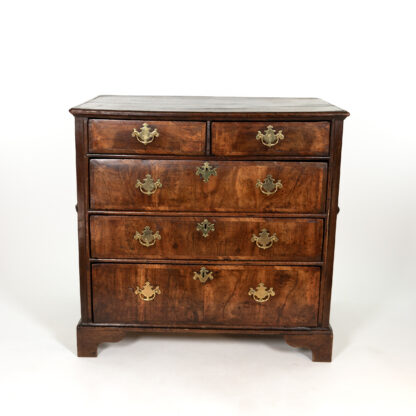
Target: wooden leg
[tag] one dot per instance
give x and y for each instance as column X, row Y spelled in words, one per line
column 319, row 344
column 89, row 337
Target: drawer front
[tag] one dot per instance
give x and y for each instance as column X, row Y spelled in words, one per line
column 173, row 185
column 147, row 137
column 214, row 238
column 288, row 297
column 284, row 138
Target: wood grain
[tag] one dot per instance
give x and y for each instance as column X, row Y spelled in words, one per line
column 82, row 217
column 104, row 104
column 239, row 138
column 223, row 300
column 175, row 137
column 220, row 130
column 233, row 189
column 299, row 239
column 333, row 209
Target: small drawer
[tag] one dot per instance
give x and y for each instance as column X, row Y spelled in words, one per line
column 270, row 138
column 216, row 238
column 146, row 137
column 205, row 295
column 216, row 186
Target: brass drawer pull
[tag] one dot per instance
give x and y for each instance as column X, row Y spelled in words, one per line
column 145, row 135
column 270, row 138
column 261, row 294
column 149, row 186
column 205, row 227
column 206, row 171
column 264, row 240
column 147, row 293
column 203, row 275
column 146, row 237
column 269, row 186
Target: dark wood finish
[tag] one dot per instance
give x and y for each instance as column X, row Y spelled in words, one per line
column 319, row 340
column 204, row 214
column 233, row 189
column 220, row 130
column 299, row 239
column 319, row 344
column 175, row 137
column 82, row 213
column 208, row 107
column 221, row 301
column 300, row 138
column 333, row 209
column 88, row 338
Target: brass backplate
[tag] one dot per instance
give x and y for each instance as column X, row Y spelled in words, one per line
column 203, row 275
column 270, row 138
column 149, row 186
column 206, row 171
column 261, row 294
column 147, row 238
column 147, row 292
column 269, row 186
column 145, row 135
column 264, row 240
column 205, row 227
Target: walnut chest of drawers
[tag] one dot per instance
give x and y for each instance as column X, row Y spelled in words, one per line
column 207, row 215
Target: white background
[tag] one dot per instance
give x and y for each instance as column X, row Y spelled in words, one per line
column 357, row 55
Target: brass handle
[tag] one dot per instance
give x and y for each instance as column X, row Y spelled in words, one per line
column 269, row 186
column 145, row 135
column 206, row 171
column 147, row 292
column 149, row 186
column 261, row 294
column 205, row 227
column 203, row 275
column 147, row 238
column 270, row 138
column 264, row 240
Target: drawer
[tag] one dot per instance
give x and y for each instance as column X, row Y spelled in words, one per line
column 146, row 137
column 224, row 238
column 283, row 138
column 173, row 185
column 287, row 298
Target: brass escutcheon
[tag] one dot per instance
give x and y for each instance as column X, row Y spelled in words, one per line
column 149, row 185
column 264, row 240
column 269, row 186
column 147, row 293
column 145, row 135
column 146, row 237
column 206, row 171
column 203, row 275
column 205, row 227
column 261, row 294
column 270, row 138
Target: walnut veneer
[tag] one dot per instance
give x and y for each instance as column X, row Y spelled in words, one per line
column 207, row 215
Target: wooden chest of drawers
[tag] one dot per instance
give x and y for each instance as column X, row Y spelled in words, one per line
column 207, row 215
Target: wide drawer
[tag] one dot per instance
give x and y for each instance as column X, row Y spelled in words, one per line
column 169, row 295
column 224, row 238
column 270, row 138
column 146, row 137
column 173, row 185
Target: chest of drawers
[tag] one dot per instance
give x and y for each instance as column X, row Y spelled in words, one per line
column 207, row 215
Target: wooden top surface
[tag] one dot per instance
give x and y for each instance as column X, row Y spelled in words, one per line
column 190, row 104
